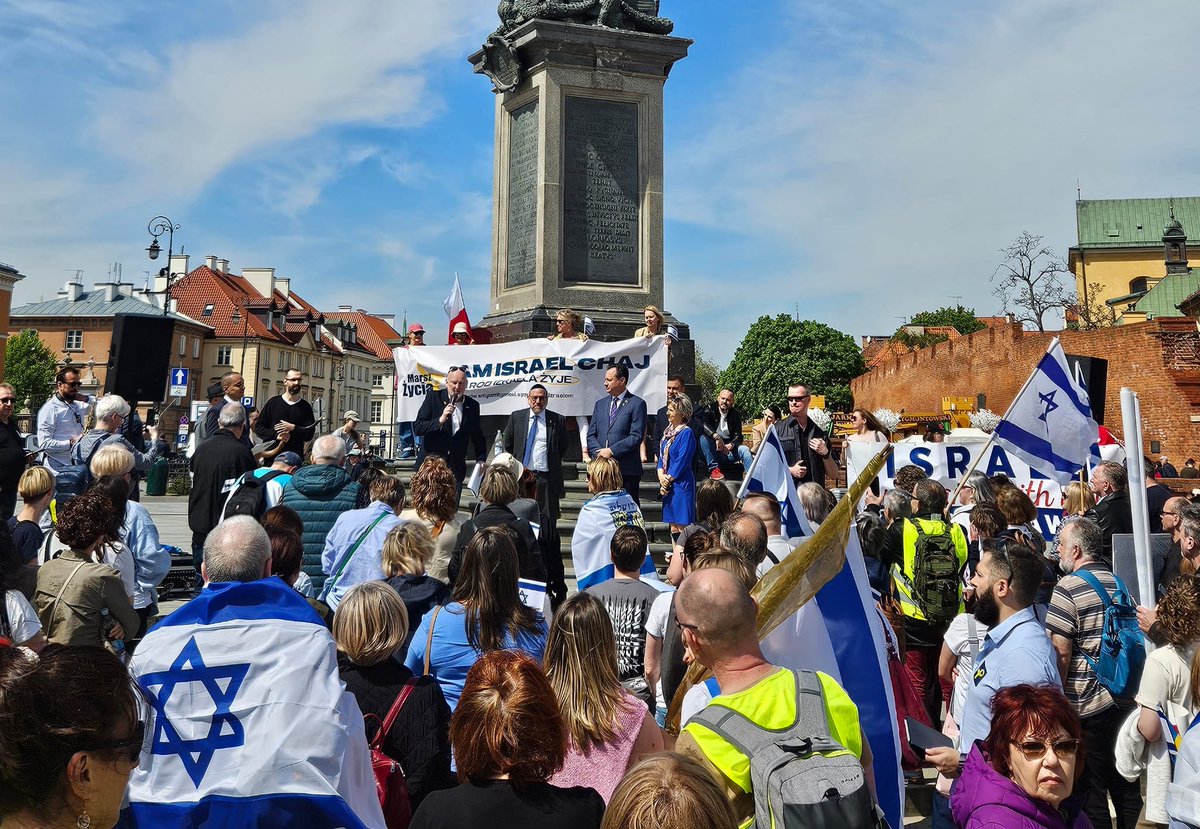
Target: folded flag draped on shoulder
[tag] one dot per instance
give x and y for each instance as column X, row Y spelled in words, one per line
column 769, row 473
column 591, row 542
column 839, row 631
column 250, row 724
column 1050, row 425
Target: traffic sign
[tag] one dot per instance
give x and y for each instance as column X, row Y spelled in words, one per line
column 178, row 380
column 183, row 421
column 247, row 401
column 182, row 439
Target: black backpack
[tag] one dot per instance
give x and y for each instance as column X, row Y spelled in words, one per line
column 249, row 496
column 76, row 479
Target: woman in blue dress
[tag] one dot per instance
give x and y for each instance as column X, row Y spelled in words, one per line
column 676, row 481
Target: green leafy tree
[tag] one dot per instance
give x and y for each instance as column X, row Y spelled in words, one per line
column 708, row 378
column 959, row 318
column 780, row 350
column 29, row 366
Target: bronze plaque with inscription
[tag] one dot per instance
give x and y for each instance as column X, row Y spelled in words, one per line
column 601, row 192
column 522, row 196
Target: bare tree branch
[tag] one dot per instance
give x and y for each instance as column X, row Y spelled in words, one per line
column 1029, row 281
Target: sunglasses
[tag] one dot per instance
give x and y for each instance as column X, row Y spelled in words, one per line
column 8, row 400
column 131, row 745
column 74, row 385
column 799, row 398
column 456, row 368
column 1035, row 750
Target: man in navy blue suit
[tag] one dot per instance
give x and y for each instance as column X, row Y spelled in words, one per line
column 617, row 428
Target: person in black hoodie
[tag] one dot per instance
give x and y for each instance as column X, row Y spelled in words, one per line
column 217, row 464
column 369, row 627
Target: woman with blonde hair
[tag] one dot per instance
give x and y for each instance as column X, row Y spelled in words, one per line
column 434, row 502
column 569, row 326
column 656, row 324
column 668, row 791
column 608, row 729
column 138, row 532
column 36, row 489
column 609, row 507
column 370, row 627
column 1077, row 499
column 406, row 550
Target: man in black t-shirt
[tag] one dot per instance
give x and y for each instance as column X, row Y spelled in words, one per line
column 287, row 417
column 628, row 600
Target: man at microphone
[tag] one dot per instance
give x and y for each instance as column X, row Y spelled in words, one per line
column 448, row 420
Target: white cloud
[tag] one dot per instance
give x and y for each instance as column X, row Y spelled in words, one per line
column 894, row 168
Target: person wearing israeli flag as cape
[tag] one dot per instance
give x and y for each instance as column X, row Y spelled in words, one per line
column 249, row 724
column 610, row 507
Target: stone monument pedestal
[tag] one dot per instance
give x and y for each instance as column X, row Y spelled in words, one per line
column 578, row 219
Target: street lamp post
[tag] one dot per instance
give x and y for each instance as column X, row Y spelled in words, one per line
column 157, row 227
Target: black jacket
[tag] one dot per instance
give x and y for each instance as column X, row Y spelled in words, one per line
column 217, row 464
column 533, row 563
column 419, row 740
column 709, row 419
column 438, row 437
column 516, row 432
column 795, row 447
column 1113, row 515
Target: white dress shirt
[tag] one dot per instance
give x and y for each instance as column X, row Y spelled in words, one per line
column 538, row 460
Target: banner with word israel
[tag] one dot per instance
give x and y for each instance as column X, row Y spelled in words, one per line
column 500, row 375
column 948, row 462
column 250, row 724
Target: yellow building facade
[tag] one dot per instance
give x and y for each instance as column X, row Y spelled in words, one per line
column 1121, row 253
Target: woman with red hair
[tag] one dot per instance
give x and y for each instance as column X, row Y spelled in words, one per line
column 508, row 739
column 1022, row 775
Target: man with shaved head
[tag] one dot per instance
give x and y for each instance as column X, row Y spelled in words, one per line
column 766, row 506
column 717, row 620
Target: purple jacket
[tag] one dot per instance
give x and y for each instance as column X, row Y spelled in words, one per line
column 983, row 799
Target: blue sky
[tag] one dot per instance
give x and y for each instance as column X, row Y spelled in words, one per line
column 860, row 160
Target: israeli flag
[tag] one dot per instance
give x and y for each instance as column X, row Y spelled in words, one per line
column 249, row 723
column 591, row 542
column 1049, row 425
column 840, row 632
column 769, row 473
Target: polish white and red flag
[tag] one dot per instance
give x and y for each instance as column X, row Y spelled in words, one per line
column 456, row 310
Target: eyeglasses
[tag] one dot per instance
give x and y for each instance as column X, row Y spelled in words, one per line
column 798, row 398
column 76, row 384
column 687, row 625
column 132, row 744
column 1036, row 750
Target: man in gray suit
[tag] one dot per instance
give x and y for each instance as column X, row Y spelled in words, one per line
column 617, row 428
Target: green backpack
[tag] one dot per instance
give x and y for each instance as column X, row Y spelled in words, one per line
column 936, row 572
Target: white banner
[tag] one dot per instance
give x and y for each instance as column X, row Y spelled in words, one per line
column 499, row 376
column 948, row 463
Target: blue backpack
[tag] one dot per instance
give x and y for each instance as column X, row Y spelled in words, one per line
column 1122, row 646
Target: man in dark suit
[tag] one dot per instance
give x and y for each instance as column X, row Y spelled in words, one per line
column 617, row 428
column 448, row 420
column 1112, row 510
column 541, row 448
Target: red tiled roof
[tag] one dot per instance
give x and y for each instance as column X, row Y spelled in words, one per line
column 373, row 333
column 229, row 293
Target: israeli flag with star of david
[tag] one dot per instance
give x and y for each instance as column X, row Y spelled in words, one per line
column 1050, row 425
column 249, row 724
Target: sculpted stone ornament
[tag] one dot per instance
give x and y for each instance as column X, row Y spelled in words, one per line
column 500, row 63
column 632, row 15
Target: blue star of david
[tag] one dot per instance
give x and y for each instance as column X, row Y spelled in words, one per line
column 189, row 667
column 1048, row 399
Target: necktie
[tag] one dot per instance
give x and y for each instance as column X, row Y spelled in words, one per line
column 533, row 424
column 612, row 410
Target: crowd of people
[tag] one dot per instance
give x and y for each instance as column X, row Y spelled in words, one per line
column 368, row 654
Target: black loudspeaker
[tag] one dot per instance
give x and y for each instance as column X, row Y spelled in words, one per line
column 1092, row 372
column 139, row 358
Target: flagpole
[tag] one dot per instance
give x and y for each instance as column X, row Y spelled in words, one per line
column 754, row 464
column 992, row 435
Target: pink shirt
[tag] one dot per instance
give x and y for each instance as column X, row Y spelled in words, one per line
column 603, row 767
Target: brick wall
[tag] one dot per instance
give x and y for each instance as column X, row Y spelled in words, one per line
column 1160, row 360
